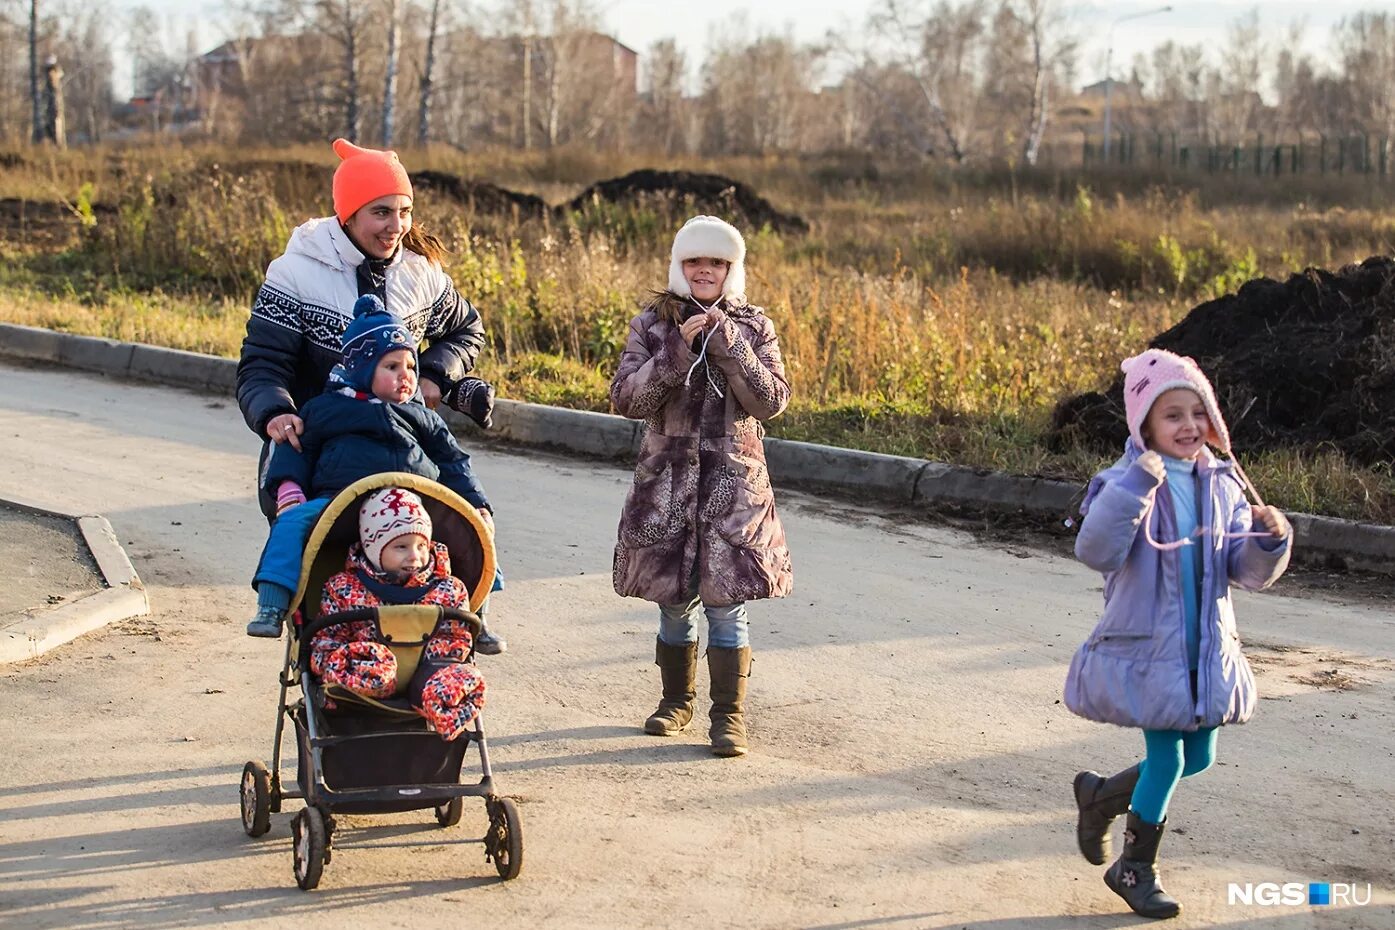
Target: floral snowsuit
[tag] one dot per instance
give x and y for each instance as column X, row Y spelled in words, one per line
column 446, row 690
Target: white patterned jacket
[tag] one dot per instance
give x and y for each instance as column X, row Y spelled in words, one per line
column 301, row 310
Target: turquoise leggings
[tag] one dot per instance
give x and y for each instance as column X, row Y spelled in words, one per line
column 1172, row 756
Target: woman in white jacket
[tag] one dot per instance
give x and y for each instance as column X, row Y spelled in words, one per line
column 369, row 246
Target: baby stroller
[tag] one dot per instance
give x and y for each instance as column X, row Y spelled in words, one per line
column 359, row 755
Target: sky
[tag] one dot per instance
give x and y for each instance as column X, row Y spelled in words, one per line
column 638, row 23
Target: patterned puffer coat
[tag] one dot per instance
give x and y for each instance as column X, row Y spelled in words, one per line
column 446, row 690
column 701, row 497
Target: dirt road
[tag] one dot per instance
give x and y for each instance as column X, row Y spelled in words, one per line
column 911, row 762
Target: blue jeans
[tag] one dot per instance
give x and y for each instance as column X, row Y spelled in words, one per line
column 1172, row 756
column 285, row 547
column 727, row 627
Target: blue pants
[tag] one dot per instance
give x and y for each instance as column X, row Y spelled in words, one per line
column 727, row 627
column 285, row 547
column 1172, row 756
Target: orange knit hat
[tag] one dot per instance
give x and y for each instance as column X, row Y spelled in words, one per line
column 363, row 176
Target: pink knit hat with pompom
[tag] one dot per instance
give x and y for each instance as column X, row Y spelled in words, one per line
column 1148, row 375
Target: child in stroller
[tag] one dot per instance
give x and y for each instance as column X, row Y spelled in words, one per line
column 395, row 562
column 359, row 754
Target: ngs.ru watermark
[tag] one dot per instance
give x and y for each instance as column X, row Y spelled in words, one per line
column 1296, row 894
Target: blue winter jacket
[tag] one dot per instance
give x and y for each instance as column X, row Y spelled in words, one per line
column 1133, row 670
column 346, row 439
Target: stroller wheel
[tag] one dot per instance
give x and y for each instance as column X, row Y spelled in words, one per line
column 256, row 799
column 448, row 814
column 504, row 841
column 308, row 847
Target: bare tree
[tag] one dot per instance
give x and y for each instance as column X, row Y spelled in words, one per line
column 427, row 76
column 940, row 50
column 344, row 21
column 757, row 93
column 83, row 39
column 390, row 80
column 576, row 83
column 665, row 122
column 1366, row 46
column 1234, row 87
column 1050, row 51
column 156, row 69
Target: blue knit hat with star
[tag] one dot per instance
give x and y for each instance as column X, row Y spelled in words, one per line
column 371, row 334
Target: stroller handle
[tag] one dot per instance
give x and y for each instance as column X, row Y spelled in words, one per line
column 370, row 615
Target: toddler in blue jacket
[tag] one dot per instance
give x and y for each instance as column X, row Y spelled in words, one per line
column 363, row 424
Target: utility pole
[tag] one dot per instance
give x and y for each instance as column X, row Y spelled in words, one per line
column 37, row 117
column 528, row 76
column 53, row 90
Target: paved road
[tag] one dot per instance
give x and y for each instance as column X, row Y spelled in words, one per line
column 911, row 761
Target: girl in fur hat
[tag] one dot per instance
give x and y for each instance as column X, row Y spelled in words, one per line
column 699, row 533
column 1169, row 526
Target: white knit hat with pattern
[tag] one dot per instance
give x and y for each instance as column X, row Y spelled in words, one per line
column 387, row 515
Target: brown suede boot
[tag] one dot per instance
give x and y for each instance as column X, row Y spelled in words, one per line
column 678, row 672
column 729, row 668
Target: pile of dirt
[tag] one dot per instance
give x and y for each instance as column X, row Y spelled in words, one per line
column 1301, row 362
column 45, row 224
column 695, row 193
column 480, row 196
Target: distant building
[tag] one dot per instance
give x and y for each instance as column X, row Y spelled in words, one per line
column 1126, row 90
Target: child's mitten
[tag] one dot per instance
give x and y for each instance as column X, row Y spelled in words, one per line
column 445, row 689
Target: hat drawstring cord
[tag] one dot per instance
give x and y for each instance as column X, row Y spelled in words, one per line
column 1202, row 530
column 702, row 351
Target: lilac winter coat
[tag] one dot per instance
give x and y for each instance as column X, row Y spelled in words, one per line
column 1132, row 671
column 701, row 499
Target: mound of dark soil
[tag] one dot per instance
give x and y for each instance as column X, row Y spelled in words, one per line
column 44, row 224
column 700, row 193
column 479, row 195
column 1301, row 362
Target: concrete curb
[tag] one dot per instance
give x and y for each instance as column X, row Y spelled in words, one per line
column 852, row 472
column 123, row 598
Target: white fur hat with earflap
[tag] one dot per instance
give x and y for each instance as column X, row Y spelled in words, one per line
column 709, row 237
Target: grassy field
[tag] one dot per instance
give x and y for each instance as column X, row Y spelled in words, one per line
column 928, row 313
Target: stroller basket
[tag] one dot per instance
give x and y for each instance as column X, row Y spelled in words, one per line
column 365, row 749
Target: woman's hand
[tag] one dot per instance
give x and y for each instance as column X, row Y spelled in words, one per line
column 488, row 519
column 430, row 392
column 285, row 427
column 1272, row 519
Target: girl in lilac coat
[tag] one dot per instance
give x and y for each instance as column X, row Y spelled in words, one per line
column 1170, row 527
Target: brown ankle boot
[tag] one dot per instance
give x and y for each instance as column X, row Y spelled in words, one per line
column 729, row 668
column 678, row 672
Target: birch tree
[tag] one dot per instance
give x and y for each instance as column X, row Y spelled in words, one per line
column 390, row 79
column 428, row 71
column 344, row 21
